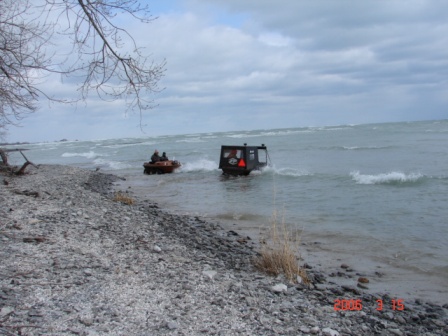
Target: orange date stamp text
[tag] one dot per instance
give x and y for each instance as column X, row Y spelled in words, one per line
column 356, row 304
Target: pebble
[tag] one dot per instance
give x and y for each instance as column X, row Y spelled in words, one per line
column 279, row 288
column 210, row 274
column 92, row 266
column 314, row 330
column 172, row 325
column 396, row 332
column 6, row 311
column 329, row 332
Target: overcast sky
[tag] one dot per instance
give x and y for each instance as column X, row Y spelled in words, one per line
column 261, row 64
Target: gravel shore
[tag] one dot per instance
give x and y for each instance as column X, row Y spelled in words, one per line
column 76, row 262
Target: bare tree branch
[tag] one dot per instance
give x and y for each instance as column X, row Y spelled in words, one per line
column 108, row 58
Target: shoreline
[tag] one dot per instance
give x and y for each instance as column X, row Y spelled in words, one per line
column 383, row 278
column 75, row 262
column 317, row 252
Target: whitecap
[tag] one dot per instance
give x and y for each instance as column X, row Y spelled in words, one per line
column 88, row 155
column 191, row 140
column 387, row 178
column 113, row 165
column 199, row 165
column 286, row 171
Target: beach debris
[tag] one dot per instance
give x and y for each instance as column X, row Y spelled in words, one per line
column 34, row 239
column 210, row 274
column 27, row 193
column 4, row 165
column 279, row 288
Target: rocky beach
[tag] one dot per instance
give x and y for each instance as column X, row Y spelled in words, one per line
column 76, row 261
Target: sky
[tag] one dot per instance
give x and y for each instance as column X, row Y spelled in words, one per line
column 235, row 65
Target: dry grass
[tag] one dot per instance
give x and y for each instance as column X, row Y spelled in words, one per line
column 120, row 197
column 278, row 253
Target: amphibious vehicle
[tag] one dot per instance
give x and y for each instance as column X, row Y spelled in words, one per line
column 241, row 160
column 161, row 167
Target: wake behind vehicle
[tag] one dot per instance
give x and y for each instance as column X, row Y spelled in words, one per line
column 241, row 160
column 161, row 167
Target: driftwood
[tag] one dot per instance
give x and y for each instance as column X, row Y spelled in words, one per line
column 5, row 166
column 27, row 193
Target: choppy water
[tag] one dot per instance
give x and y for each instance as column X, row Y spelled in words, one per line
column 379, row 191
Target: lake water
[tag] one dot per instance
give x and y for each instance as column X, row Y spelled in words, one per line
column 373, row 195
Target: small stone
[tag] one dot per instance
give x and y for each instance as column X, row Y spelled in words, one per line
column 360, row 285
column 6, row 311
column 396, row 332
column 172, row 325
column 314, row 330
column 330, row 332
column 439, row 323
column 345, row 266
column 157, row 249
column 365, row 328
column 305, row 330
column 363, row 280
column 279, row 288
column 86, row 320
column 401, row 320
column 209, row 274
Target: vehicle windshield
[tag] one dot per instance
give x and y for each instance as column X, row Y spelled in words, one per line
column 232, row 153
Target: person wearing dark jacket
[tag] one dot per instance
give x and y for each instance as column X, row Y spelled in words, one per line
column 163, row 157
column 155, row 157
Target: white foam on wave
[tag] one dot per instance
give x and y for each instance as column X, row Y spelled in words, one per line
column 243, row 135
column 131, row 144
column 88, row 155
column 113, row 165
column 387, row 178
column 286, row 171
column 362, row 148
column 191, row 140
column 199, row 165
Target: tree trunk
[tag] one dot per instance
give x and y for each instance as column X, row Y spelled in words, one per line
column 5, row 165
column 4, row 157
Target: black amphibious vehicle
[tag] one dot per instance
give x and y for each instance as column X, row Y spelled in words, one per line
column 241, row 160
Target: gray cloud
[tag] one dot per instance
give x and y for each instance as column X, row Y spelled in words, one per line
column 235, row 65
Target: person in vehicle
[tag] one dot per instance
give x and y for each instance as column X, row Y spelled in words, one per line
column 164, row 157
column 155, row 157
column 233, row 154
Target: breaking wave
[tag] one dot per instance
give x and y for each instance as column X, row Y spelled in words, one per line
column 387, row 178
column 88, row 155
column 362, row 147
column 199, row 165
column 291, row 172
column 113, row 165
